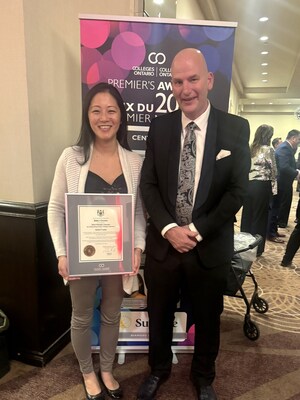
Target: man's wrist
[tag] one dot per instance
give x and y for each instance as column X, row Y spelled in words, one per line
column 167, row 228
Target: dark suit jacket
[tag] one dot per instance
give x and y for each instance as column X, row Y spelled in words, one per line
column 286, row 165
column 221, row 187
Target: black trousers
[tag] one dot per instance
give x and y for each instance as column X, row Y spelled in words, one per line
column 205, row 287
column 292, row 246
column 273, row 217
column 256, row 210
column 285, row 201
column 298, row 209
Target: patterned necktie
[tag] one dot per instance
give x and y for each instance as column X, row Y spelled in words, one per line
column 186, row 177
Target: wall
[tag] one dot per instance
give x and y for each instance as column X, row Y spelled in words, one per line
column 15, row 150
column 40, row 86
column 233, row 107
column 189, row 10
column 282, row 123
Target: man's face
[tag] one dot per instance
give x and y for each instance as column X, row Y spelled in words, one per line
column 191, row 83
column 295, row 141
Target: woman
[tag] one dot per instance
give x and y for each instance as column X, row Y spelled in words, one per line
column 262, row 183
column 101, row 162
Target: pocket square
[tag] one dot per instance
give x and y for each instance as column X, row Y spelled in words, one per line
column 223, row 153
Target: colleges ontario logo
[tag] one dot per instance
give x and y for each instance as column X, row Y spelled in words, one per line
column 156, row 58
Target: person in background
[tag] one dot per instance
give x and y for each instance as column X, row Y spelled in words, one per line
column 101, row 162
column 276, row 142
column 272, row 232
column 292, row 247
column 287, row 173
column 194, row 178
column 298, row 190
column 262, row 184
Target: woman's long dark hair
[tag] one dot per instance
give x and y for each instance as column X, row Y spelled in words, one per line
column 86, row 135
column 262, row 137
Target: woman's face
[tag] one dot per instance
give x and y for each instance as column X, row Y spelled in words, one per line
column 104, row 117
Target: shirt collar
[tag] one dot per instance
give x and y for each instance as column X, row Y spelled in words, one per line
column 201, row 121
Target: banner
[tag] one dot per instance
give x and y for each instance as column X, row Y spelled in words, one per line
column 134, row 335
column 135, row 55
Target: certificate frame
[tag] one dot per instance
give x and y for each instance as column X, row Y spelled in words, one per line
column 99, row 233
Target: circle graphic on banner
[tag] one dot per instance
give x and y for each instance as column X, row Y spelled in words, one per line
column 149, row 33
column 88, row 58
column 104, row 70
column 218, row 34
column 94, row 33
column 143, row 30
column 128, row 50
column 192, row 34
column 212, row 57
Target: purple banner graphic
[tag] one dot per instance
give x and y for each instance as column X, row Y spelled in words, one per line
column 135, row 56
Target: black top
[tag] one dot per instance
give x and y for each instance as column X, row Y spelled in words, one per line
column 95, row 184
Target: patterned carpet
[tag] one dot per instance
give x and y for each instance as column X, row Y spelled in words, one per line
column 265, row 369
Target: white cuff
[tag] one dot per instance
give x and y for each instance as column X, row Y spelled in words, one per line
column 193, row 229
column 167, row 227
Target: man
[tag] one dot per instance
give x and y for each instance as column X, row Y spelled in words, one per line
column 272, row 232
column 292, row 247
column 287, row 173
column 191, row 247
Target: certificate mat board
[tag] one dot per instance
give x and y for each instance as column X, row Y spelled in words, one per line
column 99, row 232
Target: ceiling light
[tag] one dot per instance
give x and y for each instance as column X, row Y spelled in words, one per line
column 264, row 73
column 264, row 64
column 264, row 38
column 252, row 102
column 263, row 19
column 264, row 53
column 265, row 80
column 270, row 103
column 159, row 2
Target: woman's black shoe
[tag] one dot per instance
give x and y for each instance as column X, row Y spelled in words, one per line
column 114, row 394
column 99, row 396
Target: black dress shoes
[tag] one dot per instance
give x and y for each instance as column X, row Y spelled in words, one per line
column 206, row 393
column 113, row 393
column 149, row 387
column 287, row 264
column 282, row 225
column 275, row 239
column 99, row 396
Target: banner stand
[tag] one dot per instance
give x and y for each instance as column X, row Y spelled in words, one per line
column 134, row 54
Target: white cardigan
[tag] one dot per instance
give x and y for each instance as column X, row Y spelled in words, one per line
column 70, row 177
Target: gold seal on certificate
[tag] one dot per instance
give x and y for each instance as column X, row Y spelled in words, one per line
column 99, row 231
column 89, row 250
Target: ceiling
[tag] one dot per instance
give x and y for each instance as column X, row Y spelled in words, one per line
column 281, row 92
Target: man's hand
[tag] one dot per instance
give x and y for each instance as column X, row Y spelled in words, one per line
column 181, row 238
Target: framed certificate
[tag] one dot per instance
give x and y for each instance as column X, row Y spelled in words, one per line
column 99, row 229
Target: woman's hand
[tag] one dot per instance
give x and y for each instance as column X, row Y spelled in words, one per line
column 137, row 261
column 63, row 268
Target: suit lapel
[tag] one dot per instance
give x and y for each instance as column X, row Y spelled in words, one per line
column 173, row 154
column 209, row 159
